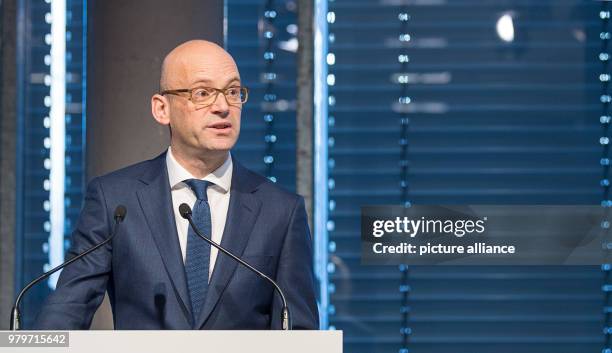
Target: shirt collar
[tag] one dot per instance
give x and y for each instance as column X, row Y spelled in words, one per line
column 221, row 177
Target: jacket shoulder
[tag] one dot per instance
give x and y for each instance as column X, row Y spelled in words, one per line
column 265, row 186
column 133, row 172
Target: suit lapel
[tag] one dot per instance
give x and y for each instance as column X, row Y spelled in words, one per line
column 156, row 203
column 241, row 215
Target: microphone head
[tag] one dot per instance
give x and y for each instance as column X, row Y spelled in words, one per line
column 120, row 212
column 185, row 211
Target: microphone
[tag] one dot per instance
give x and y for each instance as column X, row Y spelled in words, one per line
column 119, row 216
column 185, row 212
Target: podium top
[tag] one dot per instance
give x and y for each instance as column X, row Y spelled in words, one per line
column 171, row 341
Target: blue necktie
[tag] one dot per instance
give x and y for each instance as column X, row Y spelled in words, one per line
column 198, row 251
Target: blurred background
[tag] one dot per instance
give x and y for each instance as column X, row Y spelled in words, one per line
column 352, row 103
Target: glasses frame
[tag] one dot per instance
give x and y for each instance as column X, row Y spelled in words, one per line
column 177, row 92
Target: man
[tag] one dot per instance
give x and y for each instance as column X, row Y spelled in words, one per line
column 158, row 273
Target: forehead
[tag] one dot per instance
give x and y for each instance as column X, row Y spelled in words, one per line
column 214, row 69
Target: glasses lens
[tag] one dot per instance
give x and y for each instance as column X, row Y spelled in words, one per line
column 236, row 94
column 207, row 96
column 244, row 94
column 203, row 95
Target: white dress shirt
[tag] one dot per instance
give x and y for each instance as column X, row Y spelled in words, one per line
column 218, row 198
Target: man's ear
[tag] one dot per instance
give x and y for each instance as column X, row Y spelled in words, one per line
column 160, row 109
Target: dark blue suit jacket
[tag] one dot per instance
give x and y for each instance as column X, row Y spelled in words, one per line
column 143, row 269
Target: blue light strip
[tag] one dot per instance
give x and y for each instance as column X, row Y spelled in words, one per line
column 57, row 134
column 225, row 24
column 84, row 94
column 404, row 99
column 270, row 98
column 605, row 118
column 320, row 157
column 19, row 160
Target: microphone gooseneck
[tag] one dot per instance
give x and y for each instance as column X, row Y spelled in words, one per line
column 186, row 213
column 15, row 324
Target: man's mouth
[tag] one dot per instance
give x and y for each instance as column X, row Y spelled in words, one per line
column 220, row 125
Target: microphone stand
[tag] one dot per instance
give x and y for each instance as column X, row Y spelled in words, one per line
column 15, row 324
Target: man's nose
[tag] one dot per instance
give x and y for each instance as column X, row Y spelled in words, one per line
column 220, row 105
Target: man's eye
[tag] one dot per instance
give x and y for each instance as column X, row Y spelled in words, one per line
column 233, row 92
column 202, row 93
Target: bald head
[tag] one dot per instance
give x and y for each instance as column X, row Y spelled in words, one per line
column 194, row 58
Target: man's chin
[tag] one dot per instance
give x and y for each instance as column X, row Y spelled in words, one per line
column 220, row 147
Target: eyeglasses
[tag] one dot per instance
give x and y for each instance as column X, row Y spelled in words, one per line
column 205, row 96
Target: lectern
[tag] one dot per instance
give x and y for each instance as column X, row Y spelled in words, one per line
column 171, row 341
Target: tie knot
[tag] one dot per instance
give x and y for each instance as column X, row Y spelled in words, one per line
column 199, row 187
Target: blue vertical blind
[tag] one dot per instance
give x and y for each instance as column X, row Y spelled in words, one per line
column 262, row 37
column 463, row 102
column 34, row 160
column 605, row 99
